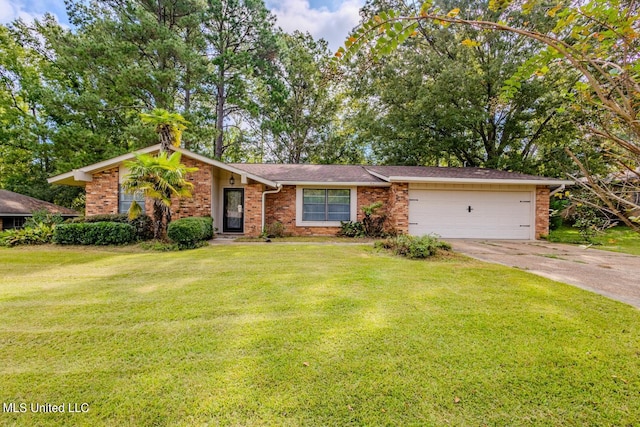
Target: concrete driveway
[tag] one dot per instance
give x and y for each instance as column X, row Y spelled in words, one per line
column 611, row 274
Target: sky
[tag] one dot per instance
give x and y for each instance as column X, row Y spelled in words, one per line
column 328, row 19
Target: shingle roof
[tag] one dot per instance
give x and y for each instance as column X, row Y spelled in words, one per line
column 17, row 204
column 310, row 173
column 376, row 174
column 443, row 172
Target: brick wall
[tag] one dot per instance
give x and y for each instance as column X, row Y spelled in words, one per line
column 253, row 209
column 399, row 207
column 542, row 211
column 370, row 195
column 200, row 203
column 282, row 207
column 102, row 193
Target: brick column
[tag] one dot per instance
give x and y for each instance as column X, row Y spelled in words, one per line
column 102, row 193
column 542, row 211
column 399, row 207
column 253, row 209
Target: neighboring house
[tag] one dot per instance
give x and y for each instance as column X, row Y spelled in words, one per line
column 16, row 208
column 314, row 199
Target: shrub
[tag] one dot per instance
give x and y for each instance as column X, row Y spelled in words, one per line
column 43, row 216
column 557, row 205
column 188, row 232
column 34, row 235
column 372, row 225
column 143, row 224
column 414, row 247
column 94, row 233
column 275, row 229
column 351, row 229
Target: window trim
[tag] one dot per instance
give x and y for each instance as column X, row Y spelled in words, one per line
column 353, row 201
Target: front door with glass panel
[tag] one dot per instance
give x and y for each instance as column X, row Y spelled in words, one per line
column 233, row 210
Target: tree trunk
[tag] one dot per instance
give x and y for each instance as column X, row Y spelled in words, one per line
column 219, row 119
column 158, row 216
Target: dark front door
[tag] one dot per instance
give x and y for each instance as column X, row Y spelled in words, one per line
column 233, row 210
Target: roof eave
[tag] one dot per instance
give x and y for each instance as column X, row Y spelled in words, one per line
column 435, row 180
column 336, row 184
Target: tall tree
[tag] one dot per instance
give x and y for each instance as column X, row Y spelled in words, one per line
column 436, row 100
column 240, row 46
column 299, row 106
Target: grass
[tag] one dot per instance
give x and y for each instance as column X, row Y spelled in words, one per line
column 307, row 334
column 308, row 239
column 616, row 239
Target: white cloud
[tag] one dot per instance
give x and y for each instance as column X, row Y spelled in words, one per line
column 8, row 11
column 28, row 11
column 331, row 25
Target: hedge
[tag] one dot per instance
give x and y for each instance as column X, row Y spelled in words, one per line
column 188, row 232
column 94, row 233
column 143, row 224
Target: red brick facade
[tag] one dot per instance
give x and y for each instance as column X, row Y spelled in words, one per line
column 399, row 207
column 253, row 209
column 102, row 193
column 542, row 211
column 282, row 207
column 200, row 203
column 102, row 198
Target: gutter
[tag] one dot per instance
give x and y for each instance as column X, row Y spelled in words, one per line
column 264, row 197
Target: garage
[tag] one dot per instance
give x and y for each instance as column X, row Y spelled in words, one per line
column 472, row 214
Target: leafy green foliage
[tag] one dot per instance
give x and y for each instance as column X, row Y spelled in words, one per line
column 160, row 178
column 445, row 106
column 301, row 105
column 189, row 232
column 351, row 229
column 43, row 216
column 274, row 229
column 168, row 126
column 414, row 247
column 35, row 234
column 94, row 233
column 142, row 224
column 557, row 204
column 590, row 222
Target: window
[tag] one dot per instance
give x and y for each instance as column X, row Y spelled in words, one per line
column 326, row 204
column 12, row 222
column 125, row 200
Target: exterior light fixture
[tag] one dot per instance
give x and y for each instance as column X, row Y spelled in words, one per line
column 232, row 180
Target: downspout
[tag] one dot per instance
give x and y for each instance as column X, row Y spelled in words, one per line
column 264, row 197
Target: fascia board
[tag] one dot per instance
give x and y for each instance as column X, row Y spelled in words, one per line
column 335, row 184
column 481, row 181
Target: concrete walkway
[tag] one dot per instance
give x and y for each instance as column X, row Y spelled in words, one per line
column 611, row 274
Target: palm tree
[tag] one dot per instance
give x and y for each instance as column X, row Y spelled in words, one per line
column 160, row 178
column 169, row 126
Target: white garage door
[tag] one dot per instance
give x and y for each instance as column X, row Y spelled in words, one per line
column 471, row 214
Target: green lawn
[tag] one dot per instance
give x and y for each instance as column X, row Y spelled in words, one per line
column 616, row 239
column 307, row 334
